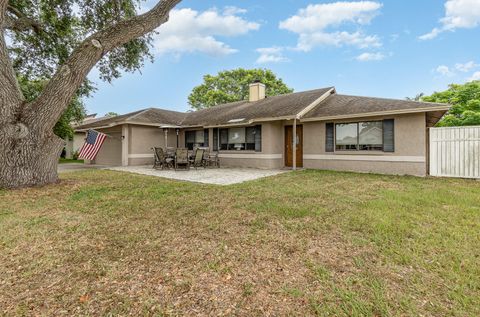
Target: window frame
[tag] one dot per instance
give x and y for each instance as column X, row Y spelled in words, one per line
column 247, row 146
column 205, row 142
column 357, row 137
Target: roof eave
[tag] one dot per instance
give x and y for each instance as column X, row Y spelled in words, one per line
column 315, row 104
column 378, row 113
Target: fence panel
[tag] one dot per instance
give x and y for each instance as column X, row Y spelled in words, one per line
column 455, row 152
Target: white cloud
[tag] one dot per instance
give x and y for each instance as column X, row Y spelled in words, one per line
column 475, row 76
column 232, row 10
column 314, row 22
column 317, row 17
column 458, row 14
column 430, row 36
column 366, row 57
column 466, row 67
column 307, row 41
column 189, row 31
column 444, row 70
column 271, row 55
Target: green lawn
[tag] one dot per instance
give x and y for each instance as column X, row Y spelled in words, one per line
column 301, row 243
column 65, row 160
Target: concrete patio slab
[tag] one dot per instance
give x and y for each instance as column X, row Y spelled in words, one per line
column 217, row 176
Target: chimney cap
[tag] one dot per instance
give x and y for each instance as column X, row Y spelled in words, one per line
column 257, row 81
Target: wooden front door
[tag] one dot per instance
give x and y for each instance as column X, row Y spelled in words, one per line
column 289, row 146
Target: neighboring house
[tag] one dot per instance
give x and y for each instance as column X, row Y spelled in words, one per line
column 332, row 131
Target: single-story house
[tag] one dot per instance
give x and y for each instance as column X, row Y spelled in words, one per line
column 331, row 131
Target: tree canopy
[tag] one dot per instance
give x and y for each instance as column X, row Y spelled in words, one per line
column 111, row 114
column 44, row 33
column 233, row 85
column 465, row 101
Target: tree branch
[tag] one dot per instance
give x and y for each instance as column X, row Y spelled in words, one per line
column 10, row 94
column 22, row 22
column 61, row 88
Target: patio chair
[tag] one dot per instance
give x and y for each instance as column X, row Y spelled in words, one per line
column 170, row 151
column 206, row 156
column 198, row 160
column 160, row 159
column 212, row 160
column 181, row 159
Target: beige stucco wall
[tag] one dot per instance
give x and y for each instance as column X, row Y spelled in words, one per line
column 271, row 155
column 409, row 156
column 111, row 151
column 143, row 138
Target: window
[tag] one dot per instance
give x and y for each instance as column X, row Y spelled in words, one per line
column 346, row 136
column 198, row 138
column 240, row 139
column 370, row 136
column 360, row 136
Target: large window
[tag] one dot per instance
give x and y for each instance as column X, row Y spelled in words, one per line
column 197, row 138
column 360, row 136
column 240, row 139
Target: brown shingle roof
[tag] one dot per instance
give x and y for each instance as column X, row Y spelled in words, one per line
column 283, row 106
column 146, row 116
column 343, row 105
column 272, row 107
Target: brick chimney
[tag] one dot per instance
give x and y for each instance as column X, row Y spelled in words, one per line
column 257, row 91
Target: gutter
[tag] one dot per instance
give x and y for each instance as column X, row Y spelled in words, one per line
column 378, row 113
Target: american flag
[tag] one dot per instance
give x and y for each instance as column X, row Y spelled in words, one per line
column 92, row 145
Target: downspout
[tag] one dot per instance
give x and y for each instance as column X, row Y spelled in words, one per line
column 294, row 147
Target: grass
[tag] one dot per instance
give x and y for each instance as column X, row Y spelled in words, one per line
column 65, row 160
column 302, row 243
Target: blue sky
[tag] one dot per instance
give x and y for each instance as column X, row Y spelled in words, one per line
column 384, row 48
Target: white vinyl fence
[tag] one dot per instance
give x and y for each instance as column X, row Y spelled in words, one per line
column 455, row 152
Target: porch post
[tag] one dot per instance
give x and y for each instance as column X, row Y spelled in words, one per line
column 166, row 137
column 125, row 138
column 294, row 147
column 177, row 131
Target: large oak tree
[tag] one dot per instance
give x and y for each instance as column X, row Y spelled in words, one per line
column 60, row 41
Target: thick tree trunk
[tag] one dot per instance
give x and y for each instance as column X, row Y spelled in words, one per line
column 28, row 158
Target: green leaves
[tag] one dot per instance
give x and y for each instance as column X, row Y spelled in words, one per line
column 63, row 24
column 465, row 101
column 233, row 85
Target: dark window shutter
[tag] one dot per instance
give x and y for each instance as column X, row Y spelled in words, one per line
column 389, row 135
column 258, row 138
column 329, row 139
